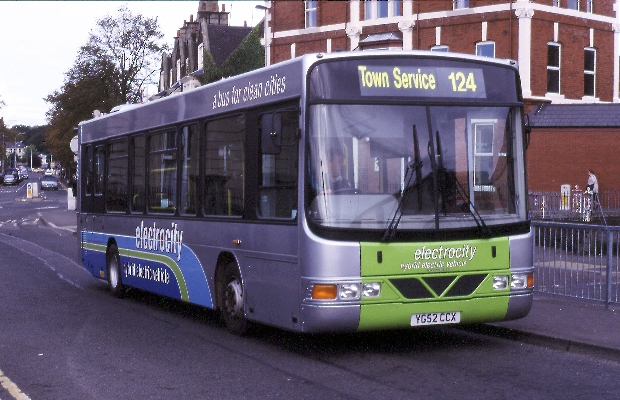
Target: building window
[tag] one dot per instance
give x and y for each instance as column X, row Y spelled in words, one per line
column 483, row 154
column 589, row 71
column 442, row 48
column 311, row 14
column 485, row 49
column 589, row 6
column 553, row 67
column 570, row 4
column 460, row 4
column 381, row 9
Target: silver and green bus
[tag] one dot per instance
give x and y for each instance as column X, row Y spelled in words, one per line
column 345, row 192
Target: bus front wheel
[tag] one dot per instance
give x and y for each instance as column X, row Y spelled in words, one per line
column 232, row 299
column 115, row 282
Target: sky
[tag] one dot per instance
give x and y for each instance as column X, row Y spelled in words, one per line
column 39, row 41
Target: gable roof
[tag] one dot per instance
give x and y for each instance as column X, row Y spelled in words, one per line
column 223, row 40
column 575, row 115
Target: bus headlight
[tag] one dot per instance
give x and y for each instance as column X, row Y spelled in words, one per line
column 500, row 282
column 349, row 291
column 371, row 289
column 522, row 281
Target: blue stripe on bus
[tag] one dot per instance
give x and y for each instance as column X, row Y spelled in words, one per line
column 185, row 278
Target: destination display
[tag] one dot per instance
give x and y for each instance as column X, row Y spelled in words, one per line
column 415, row 79
column 421, row 81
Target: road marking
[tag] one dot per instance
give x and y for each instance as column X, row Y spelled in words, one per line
column 12, row 388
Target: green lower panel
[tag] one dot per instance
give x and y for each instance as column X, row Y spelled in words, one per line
column 398, row 315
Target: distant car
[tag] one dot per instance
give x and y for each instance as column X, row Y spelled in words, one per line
column 49, row 182
column 49, row 172
column 23, row 173
column 11, row 176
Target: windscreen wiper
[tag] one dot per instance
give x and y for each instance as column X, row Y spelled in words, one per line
column 443, row 178
column 413, row 170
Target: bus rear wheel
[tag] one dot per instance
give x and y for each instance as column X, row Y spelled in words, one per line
column 232, row 301
column 113, row 261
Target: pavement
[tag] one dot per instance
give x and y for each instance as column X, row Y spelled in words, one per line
column 558, row 322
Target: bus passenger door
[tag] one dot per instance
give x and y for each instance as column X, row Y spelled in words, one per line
column 273, row 279
column 86, row 192
column 98, row 182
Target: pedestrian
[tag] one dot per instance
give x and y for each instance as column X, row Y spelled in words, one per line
column 592, row 188
column 72, row 183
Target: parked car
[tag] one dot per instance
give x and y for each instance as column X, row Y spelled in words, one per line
column 11, row 176
column 49, row 182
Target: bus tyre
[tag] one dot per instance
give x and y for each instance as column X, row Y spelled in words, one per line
column 232, row 299
column 115, row 282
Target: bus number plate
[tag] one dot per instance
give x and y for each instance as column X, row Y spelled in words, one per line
column 451, row 317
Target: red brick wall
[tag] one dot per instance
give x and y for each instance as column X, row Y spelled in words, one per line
column 462, row 33
column 287, row 15
column 563, row 155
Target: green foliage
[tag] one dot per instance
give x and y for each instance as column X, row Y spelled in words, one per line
column 112, row 68
column 211, row 70
column 250, row 55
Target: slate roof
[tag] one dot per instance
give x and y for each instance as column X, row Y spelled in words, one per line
column 223, row 40
column 575, row 115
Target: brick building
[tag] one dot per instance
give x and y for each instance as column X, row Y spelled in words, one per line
column 567, row 50
column 569, row 140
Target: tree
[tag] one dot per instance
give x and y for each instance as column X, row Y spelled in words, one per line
column 132, row 44
column 112, row 68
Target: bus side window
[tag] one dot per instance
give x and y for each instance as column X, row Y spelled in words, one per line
column 190, row 171
column 116, row 189
column 138, row 181
column 279, row 165
column 225, row 167
column 163, row 172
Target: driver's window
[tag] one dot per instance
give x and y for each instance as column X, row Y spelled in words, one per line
column 279, row 170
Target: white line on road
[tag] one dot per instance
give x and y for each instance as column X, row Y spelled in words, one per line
column 12, row 388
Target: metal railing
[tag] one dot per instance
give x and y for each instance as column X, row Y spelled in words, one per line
column 574, row 205
column 578, row 260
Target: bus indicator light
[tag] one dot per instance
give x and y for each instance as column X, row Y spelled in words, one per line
column 324, row 292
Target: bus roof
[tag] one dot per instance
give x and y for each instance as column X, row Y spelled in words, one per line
column 276, row 83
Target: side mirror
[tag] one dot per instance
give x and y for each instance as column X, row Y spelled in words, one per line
column 271, row 133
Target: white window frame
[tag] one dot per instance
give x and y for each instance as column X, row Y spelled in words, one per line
column 441, row 48
column 475, row 124
column 591, row 72
column 553, row 67
column 310, row 7
column 567, row 4
column 371, row 9
column 589, row 6
column 459, row 4
column 481, row 47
